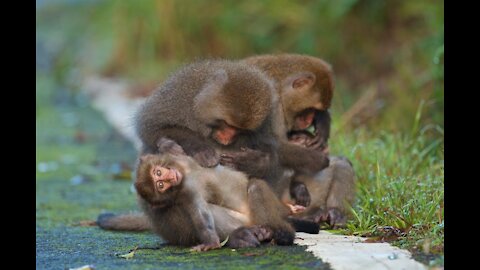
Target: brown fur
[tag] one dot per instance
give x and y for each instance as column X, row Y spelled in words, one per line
column 183, row 215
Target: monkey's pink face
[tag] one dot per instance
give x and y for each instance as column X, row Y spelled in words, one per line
column 304, row 120
column 225, row 134
column 165, row 178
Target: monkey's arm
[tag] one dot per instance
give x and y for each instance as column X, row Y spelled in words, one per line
column 203, row 224
column 193, row 144
column 254, row 163
column 301, row 159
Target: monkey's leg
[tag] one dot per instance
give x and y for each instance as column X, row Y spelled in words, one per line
column 267, row 210
column 124, row 222
column 342, row 191
column 203, row 224
column 331, row 189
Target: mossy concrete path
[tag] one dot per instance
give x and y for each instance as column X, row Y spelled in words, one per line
column 340, row 251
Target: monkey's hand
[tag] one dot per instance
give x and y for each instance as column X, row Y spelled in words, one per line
column 166, row 145
column 206, row 157
column 253, row 162
column 205, row 247
column 299, row 192
column 295, row 209
column 307, row 141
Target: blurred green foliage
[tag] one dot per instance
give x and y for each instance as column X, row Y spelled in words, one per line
column 395, row 46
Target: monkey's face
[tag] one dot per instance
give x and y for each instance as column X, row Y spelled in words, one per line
column 304, row 119
column 224, row 133
column 159, row 179
column 164, row 178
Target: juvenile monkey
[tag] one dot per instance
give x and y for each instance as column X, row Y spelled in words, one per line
column 214, row 204
column 305, row 85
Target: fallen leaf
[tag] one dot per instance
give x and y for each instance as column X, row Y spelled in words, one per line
column 224, row 241
column 129, row 255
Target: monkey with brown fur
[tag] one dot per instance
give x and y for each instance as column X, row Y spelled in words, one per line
column 305, row 85
column 169, row 186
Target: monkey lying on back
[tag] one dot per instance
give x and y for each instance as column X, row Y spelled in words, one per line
column 214, row 203
column 305, row 85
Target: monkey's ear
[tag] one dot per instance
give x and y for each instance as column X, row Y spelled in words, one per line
column 300, row 80
column 145, row 157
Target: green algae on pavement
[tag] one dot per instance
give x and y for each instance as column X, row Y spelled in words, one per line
column 74, row 183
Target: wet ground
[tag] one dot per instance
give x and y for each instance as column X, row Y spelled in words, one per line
column 83, row 169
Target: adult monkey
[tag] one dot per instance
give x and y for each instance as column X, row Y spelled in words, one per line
column 213, row 109
column 305, row 85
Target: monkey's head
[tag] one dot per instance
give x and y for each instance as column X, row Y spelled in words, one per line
column 159, row 178
column 305, row 84
column 237, row 98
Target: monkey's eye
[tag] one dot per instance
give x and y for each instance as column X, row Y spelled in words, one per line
column 158, row 173
column 159, row 185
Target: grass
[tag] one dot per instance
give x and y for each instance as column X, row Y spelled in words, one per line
column 400, row 184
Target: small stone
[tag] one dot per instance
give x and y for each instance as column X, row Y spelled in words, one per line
column 393, row 256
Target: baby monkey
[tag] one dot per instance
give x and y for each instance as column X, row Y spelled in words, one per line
column 190, row 205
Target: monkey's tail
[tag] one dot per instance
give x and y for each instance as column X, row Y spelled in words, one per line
column 124, row 222
column 302, row 225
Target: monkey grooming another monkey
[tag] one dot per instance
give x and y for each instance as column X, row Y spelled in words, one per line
column 169, row 186
column 305, row 85
column 218, row 112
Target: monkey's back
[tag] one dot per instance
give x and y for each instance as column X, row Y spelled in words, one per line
column 174, row 103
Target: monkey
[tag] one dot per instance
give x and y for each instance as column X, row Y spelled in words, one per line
column 229, row 122
column 305, row 85
column 171, row 185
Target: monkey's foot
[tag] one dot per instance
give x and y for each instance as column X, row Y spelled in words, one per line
column 284, row 237
column 336, row 218
column 205, row 247
column 333, row 216
column 249, row 236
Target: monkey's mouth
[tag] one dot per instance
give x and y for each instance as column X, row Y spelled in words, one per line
column 177, row 179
